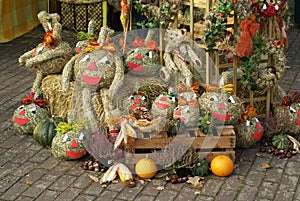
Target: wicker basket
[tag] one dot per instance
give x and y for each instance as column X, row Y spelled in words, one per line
column 77, row 14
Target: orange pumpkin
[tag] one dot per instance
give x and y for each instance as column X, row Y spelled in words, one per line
column 146, row 168
column 222, row 166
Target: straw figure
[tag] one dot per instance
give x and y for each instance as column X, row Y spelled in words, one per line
column 178, row 54
column 50, row 56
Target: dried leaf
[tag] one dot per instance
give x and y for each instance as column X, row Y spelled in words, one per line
column 160, row 188
column 194, row 180
column 258, row 154
column 104, row 186
column 141, row 182
column 114, row 181
column 197, row 192
column 266, row 166
column 241, row 178
column 93, row 178
column 29, row 182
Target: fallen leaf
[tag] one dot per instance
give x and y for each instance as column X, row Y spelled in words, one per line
column 197, row 192
column 258, row 154
column 160, row 188
column 141, row 181
column 241, row 178
column 114, row 181
column 266, row 166
column 104, row 186
column 93, row 178
column 195, row 181
column 161, row 175
column 29, row 182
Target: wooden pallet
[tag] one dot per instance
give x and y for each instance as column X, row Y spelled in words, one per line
column 223, row 141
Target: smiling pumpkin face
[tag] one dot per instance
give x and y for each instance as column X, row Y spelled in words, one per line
column 142, row 61
column 222, row 106
column 187, row 110
column 163, row 106
column 248, row 133
column 68, row 146
column 26, row 117
column 97, row 69
column 290, row 115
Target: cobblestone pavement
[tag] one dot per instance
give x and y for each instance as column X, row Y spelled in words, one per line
column 29, row 172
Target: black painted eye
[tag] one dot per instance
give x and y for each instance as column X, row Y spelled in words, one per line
column 66, row 138
column 231, row 100
column 107, row 62
column 292, row 110
column 33, row 110
column 214, row 98
column 130, row 97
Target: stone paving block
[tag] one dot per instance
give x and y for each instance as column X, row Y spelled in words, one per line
column 289, row 183
column 204, row 198
column 34, row 175
column 62, row 183
column 233, row 182
column 290, row 168
column 48, row 195
column 212, row 187
column 284, row 195
column 273, row 175
column 41, row 155
column 226, row 195
column 82, row 181
column 36, row 189
column 166, row 195
column 24, row 169
column 23, row 198
column 268, row 190
column 247, row 193
column 278, row 163
column 151, row 188
column 175, row 187
column 249, row 154
column 94, row 189
column 10, row 142
column 69, row 194
column 50, row 163
column 85, row 198
column 24, row 156
column 107, row 196
column 118, row 187
column 8, row 168
column 187, row 194
column 6, row 182
column 144, row 198
column 14, row 191
column 130, row 193
column 54, row 173
column 254, row 177
column 76, row 169
column 242, row 168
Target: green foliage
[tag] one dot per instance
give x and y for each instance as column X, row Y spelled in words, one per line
column 201, row 168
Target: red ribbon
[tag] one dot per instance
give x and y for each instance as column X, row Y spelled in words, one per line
column 150, row 44
column 50, row 40
column 40, row 101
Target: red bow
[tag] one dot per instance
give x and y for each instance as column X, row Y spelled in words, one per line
column 40, row 101
column 294, row 98
column 150, row 44
column 182, row 101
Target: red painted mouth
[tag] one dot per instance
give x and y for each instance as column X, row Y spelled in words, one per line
column 162, row 106
column 75, row 155
column 297, row 122
column 91, row 80
column 133, row 107
column 21, row 121
column 221, row 117
column 135, row 67
column 258, row 135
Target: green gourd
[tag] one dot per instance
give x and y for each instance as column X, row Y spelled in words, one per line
column 280, row 141
column 201, row 168
column 45, row 131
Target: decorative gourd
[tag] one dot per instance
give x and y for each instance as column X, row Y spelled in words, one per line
column 146, row 168
column 222, row 166
column 68, row 146
column 201, row 168
column 44, row 131
column 249, row 133
column 26, row 117
column 280, row 141
column 224, row 107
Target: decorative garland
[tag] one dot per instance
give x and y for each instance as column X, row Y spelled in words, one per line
column 270, row 8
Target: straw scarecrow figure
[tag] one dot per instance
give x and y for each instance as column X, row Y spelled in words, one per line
column 50, row 56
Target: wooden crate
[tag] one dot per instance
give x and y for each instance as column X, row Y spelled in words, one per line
column 221, row 142
column 76, row 15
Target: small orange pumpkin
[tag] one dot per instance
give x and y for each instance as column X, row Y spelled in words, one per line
column 222, row 166
column 146, row 168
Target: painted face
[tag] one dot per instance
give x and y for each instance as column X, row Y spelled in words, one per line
column 187, row 110
column 136, row 103
column 68, row 146
column 223, row 107
column 142, row 61
column 96, row 69
column 26, row 117
column 291, row 114
column 163, row 106
column 81, row 45
column 249, row 132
